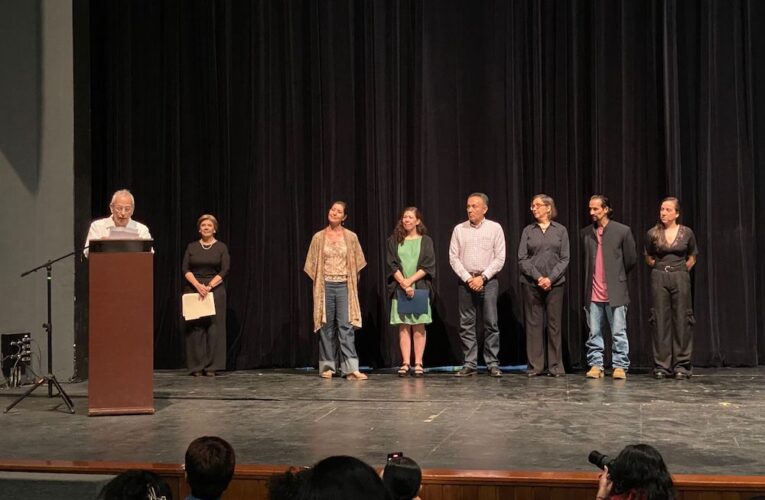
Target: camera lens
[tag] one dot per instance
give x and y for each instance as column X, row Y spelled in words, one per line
column 598, row 459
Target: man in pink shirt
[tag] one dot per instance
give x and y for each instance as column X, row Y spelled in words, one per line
column 609, row 255
column 477, row 254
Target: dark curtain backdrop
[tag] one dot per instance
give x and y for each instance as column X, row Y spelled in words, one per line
column 264, row 112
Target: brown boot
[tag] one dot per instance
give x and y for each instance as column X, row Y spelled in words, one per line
column 619, row 374
column 595, row 372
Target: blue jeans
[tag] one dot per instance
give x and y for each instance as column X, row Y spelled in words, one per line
column 617, row 320
column 337, row 340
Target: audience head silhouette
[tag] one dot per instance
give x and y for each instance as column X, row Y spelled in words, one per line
column 210, row 464
column 136, row 485
column 334, row 478
column 402, row 476
column 640, row 469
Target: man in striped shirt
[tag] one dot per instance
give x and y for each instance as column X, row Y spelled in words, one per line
column 477, row 254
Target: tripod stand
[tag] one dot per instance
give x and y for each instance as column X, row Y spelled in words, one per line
column 49, row 378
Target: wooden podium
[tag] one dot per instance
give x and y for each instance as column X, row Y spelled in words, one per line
column 121, row 337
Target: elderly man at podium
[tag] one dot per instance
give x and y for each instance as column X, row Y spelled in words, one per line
column 119, row 225
column 120, row 313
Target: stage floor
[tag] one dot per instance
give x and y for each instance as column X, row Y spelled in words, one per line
column 711, row 424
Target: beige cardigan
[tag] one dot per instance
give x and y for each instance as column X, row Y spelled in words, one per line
column 315, row 269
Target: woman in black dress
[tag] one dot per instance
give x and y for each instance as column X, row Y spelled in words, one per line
column 205, row 266
column 671, row 251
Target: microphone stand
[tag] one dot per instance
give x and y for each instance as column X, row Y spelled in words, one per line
column 49, row 378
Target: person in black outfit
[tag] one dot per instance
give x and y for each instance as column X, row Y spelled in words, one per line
column 670, row 251
column 205, row 266
column 543, row 257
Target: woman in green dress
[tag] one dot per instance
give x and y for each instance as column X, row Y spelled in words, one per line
column 411, row 264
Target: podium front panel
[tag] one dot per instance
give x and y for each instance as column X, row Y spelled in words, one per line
column 121, row 335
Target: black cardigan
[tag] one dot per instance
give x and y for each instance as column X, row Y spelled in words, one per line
column 426, row 262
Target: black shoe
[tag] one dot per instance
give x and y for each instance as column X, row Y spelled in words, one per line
column 682, row 376
column 659, row 375
column 532, row 374
column 494, row 371
column 466, row 372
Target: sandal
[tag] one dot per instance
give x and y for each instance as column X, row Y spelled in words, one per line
column 356, row 376
column 418, row 370
column 326, row 374
column 404, row 370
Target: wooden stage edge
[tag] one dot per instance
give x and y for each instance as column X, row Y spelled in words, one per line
column 250, row 481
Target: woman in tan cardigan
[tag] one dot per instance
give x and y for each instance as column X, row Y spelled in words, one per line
column 333, row 263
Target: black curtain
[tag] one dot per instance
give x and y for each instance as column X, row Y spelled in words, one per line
column 264, row 112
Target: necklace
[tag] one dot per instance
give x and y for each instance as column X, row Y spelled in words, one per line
column 206, row 247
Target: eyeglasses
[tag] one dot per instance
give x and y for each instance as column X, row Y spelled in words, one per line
column 537, row 205
column 121, row 209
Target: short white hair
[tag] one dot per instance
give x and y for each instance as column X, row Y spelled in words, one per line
column 123, row 192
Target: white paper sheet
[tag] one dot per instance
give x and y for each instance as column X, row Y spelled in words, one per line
column 195, row 307
column 122, row 233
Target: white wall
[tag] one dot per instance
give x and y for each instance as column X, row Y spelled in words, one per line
column 37, row 174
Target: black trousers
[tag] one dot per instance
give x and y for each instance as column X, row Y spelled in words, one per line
column 206, row 338
column 537, row 304
column 672, row 315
